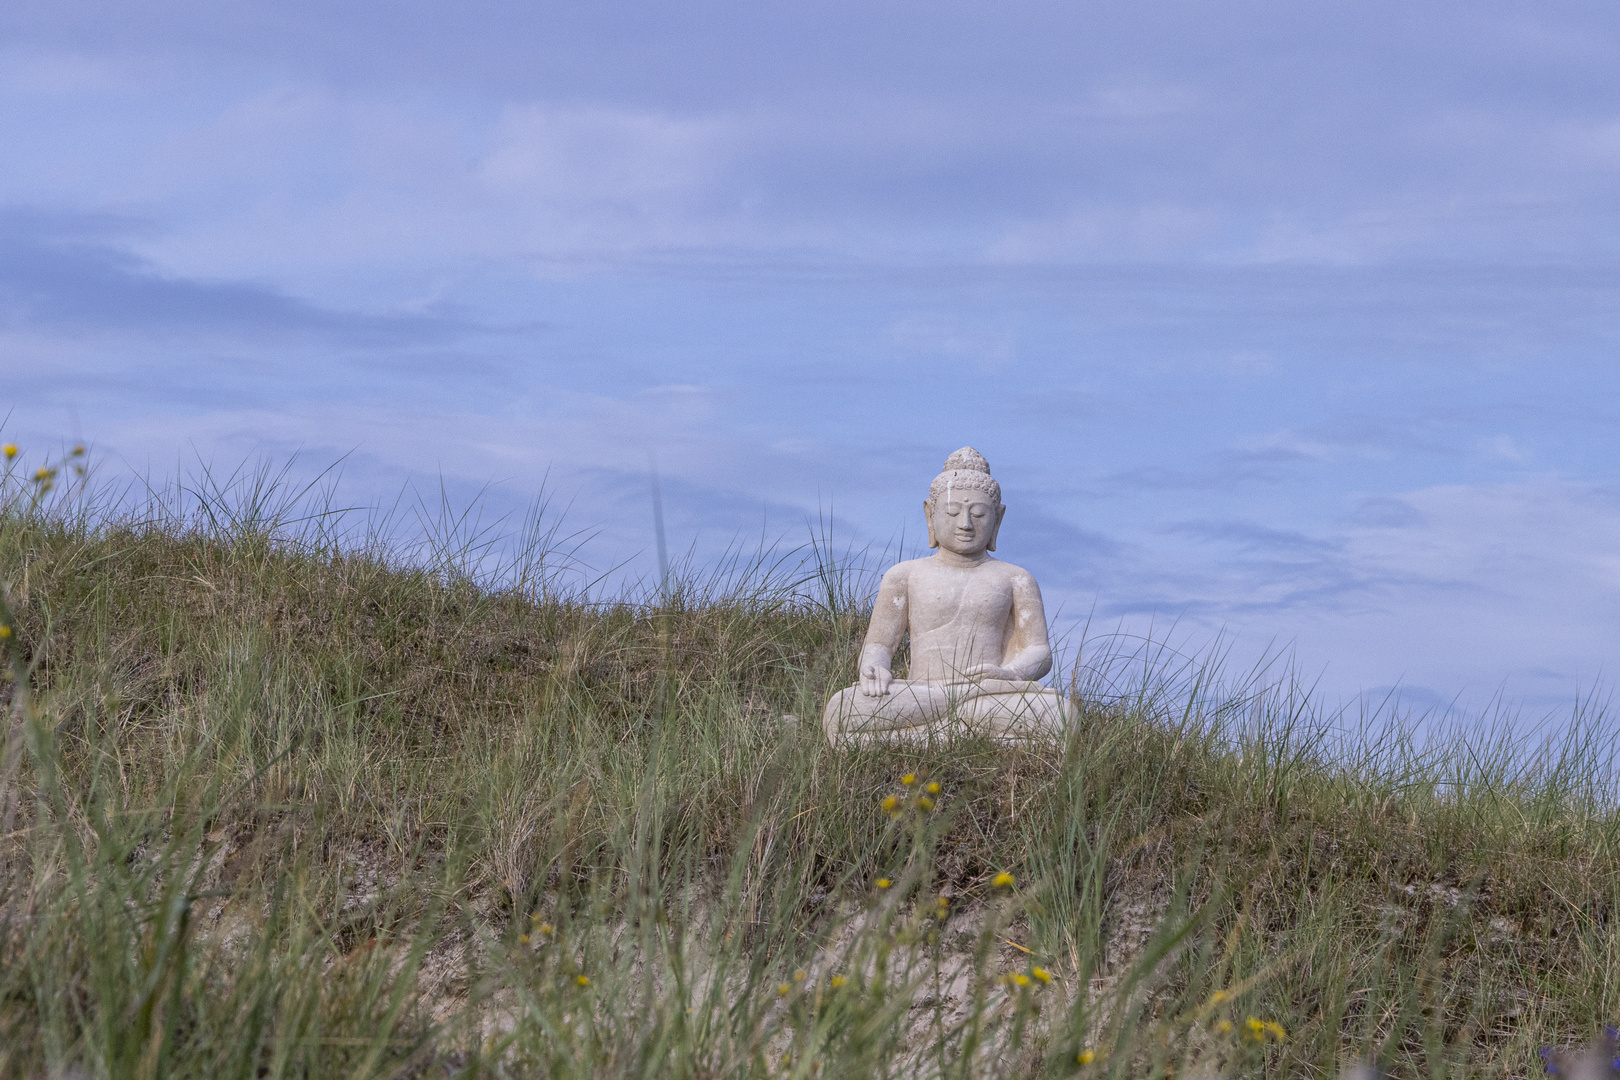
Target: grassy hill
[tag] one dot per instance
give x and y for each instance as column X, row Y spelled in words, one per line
column 273, row 804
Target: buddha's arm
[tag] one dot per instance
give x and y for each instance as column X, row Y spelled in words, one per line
column 883, row 633
column 1027, row 653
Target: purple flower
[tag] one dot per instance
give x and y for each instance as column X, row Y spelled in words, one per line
column 1595, row 1061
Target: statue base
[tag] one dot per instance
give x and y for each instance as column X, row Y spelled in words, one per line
column 1003, row 710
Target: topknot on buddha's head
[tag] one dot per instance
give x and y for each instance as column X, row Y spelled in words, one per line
column 966, row 458
column 965, row 469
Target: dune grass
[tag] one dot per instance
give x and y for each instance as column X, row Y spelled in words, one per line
column 277, row 800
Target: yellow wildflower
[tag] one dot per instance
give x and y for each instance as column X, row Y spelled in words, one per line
column 798, row 976
column 908, row 779
column 925, row 803
column 43, row 475
column 1260, row 1030
column 523, row 939
column 1218, row 996
column 933, row 787
column 1084, row 1057
column 1041, row 974
column 78, row 451
column 1002, row 880
column 783, row 990
column 884, row 883
column 1224, row 1027
column 891, row 803
column 837, row 981
column 10, row 450
column 583, row 980
column 1020, row 979
column 5, row 631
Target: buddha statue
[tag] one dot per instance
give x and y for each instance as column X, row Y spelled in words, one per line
column 977, row 627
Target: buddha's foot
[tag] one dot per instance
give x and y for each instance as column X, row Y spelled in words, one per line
column 996, row 709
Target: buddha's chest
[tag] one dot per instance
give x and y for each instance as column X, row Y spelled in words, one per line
column 961, row 600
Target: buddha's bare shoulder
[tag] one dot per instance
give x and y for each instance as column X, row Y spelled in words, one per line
column 901, row 572
column 1009, row 572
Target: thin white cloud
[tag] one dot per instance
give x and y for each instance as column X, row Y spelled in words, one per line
column 1477, row 588
column 53, row 74
column 1123, row 232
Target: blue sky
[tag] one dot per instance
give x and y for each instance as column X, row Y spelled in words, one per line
column 1292, row 323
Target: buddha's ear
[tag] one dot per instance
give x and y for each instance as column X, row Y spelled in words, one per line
column 928, row 516
column 1001, row 512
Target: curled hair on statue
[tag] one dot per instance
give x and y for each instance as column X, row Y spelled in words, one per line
column 963, row 480
column 968, row 469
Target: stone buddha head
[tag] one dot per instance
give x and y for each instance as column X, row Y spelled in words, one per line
column 963, row 507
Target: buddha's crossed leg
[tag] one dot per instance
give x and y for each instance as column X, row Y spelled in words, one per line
column 917, row 711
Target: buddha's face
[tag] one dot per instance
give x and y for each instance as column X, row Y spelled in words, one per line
column 965, row 523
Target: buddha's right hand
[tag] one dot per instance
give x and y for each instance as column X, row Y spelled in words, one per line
column 875, row 680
